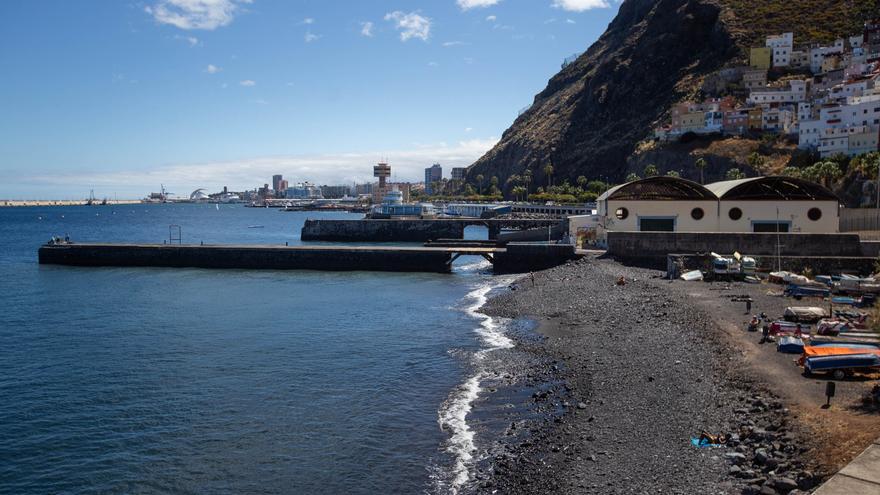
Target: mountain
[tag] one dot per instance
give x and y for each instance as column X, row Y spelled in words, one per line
column 593, row 114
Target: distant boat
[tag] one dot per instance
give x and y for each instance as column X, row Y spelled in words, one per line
column 255, row 226
column 218, row 206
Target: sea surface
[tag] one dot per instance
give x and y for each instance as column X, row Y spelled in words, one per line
column 122, row 380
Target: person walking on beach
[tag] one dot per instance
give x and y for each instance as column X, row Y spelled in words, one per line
column 765, row 334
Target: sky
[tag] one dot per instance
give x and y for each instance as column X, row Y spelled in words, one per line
column 121, row 97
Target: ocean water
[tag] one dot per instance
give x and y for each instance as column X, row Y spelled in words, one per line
column 120, row 380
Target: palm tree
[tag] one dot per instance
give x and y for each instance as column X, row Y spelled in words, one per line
column 548, row 171
column 480, row 178
column 527, row 178
column 829, row 172
column 582, row 181
column 791, row 172
column 735, row 174
column 651, row 171
column 756, row 161
column 494, row 181
column 701, row 165
column 632, row 177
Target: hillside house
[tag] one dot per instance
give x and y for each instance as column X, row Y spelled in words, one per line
column 760, row 58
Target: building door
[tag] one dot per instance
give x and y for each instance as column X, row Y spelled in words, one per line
column 657, row 224
column 771, row 227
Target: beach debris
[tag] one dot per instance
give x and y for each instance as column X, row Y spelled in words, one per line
column 709, row 440
column 692, row 276
column 621, row 280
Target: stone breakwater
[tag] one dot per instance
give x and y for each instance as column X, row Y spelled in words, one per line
column 639, row 372
column 11, row 203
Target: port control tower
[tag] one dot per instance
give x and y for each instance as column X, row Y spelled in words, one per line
column 382, row 170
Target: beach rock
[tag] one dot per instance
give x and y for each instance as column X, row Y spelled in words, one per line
column 581, row 405
column 784, row 485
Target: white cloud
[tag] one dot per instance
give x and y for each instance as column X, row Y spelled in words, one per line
column 433, row 64
column 473, row 4
column 468, row 129
column 251, row 172
column 247, row 83
column 410, row 25
column 308, row 20
column 192, row 40
column 212, row 69
column 453, row 43
column 309, row 37
column 195, row 14
column 580, row 5
column 367, row 29
column 570, row 21
column 491, row 18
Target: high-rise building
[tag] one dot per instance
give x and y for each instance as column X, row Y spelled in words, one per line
column 335, row 192
column 363, row 188
column 276, row 182
column 458, row 173
column 432, row 174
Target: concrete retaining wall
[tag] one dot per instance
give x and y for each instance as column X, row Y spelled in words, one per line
column 382, row 230
column 526, row 257
column 247, row 257
column 820, row 265
column 659, row 244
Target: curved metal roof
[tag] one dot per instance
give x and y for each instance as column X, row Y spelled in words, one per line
column 662, row 188
column 771, row 188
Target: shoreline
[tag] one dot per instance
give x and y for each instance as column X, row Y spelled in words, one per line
column 641, row 370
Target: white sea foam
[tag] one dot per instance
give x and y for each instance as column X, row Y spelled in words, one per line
column 453, row 413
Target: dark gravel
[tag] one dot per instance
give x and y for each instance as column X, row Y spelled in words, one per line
column 633, row 372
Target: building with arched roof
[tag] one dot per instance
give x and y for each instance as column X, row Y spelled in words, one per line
column 198, row 195
column 658, row 204
column 775, row 203
column 759, row 204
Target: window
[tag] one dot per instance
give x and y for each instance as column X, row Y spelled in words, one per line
column 735, row 213
column 656, row 224
column 770, row 227
column 697, row 213
column 814, row 214
column 621, row 213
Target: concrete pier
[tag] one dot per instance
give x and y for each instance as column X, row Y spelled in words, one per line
column 409, row 230
column 513, row 259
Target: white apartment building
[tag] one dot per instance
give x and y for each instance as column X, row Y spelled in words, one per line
column 818, row 54
column 781, row 48
column 795, row 92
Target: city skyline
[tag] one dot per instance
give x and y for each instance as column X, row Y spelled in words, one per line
column 121, row 98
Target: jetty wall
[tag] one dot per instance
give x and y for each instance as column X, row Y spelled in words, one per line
column 528, row 257
column 376, row 230
column 248, row 257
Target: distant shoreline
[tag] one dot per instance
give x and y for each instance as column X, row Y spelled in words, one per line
column 18, row 203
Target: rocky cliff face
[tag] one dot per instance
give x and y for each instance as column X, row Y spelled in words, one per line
column 590, row 118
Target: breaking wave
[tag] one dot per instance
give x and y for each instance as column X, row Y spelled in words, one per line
column 452, row 416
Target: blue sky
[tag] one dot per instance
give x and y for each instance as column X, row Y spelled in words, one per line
column 122, row 96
